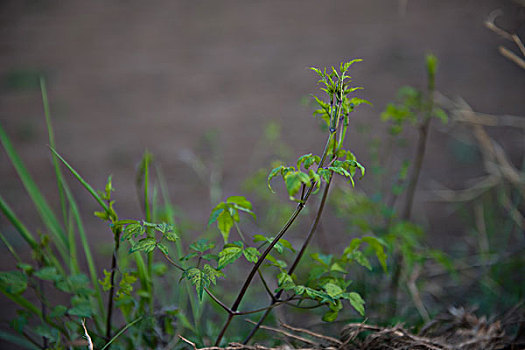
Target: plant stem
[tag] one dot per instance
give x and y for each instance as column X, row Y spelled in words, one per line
column 276, row 297
column 424, row 128
column 112, row 288
column 281, row 233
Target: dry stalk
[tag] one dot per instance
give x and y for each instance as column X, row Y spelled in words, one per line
column 490, row 24
column 313, row 334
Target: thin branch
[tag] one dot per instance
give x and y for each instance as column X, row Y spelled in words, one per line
column 489, row 23
column 313, row 334
column 512, row 56
column 288, row 334
column 297, row 258
column 285, row 228
column 518, row 43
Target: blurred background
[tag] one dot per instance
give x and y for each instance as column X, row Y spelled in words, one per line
column 197, row 83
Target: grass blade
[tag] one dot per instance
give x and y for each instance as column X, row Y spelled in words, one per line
column 43, row 208
column 83, row 182
column 17, row 340
column 73, row 261
column 125, row 328
column 19, row 226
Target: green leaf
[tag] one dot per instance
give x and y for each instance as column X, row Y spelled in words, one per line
column 225, row 224
column 211, row 273
column 195, row 276
column 106, row 282
column 251, row 254
column 229, row 255
column 81, row 307
column 337, row 267
column 320, row 295
column 272, row 174
column 357, row 302
column 126, row 283
column 145, row 244
column 379, row 248
column 324, row 259
column 202, row 245
column 171, row 236
column 132, row 230
column 240, row 201
column 202, row 279
column 330, row 315
column 47, row 331
column 361, row 259
column 163, row 248
column 332, row 290
column 285, row 281
column 294, row 180
column 58, row 311
column 13, row 282
column 215, row 213
column 286, row 244
column 48, row 273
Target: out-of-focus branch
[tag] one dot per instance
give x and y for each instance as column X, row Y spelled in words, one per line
column 490, row 24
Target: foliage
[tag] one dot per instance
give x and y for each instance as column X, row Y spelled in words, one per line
column 130, row 284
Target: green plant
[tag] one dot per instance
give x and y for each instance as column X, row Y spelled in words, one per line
column 130, row 284
column 383, row 213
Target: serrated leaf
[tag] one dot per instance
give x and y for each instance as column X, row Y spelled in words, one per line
column 132, row 230
column 163, row 248
column 13, row 282
column 81, row 307
column 211, row 273
column 202, row 245
column 126, row 283
column 164, row 227
column 285, row 281
column 210, row 257
column 47, row 331
column 145, row 244
column 106, row 282
column 299, row 290
column 195, row 276
column 48, row 273
column 229, row 255
column 251, row 254
column 171, row 236
column 58, row 311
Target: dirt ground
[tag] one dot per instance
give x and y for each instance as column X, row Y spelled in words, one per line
column 126, row 76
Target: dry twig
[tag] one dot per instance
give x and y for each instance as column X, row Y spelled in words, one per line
column 490, row 24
